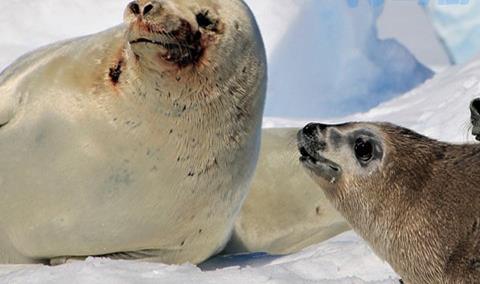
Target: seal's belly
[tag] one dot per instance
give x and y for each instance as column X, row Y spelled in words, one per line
column 75, row 191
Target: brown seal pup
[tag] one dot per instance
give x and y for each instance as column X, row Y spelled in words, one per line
column 139, row 142
column 415, row 200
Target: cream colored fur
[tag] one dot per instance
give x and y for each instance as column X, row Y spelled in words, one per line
column 155, row 166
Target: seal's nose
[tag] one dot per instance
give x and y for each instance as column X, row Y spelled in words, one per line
column 312, row 136
column 312, row 129
column 311, row 140
column 148, row 8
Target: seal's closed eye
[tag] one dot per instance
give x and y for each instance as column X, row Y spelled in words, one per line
column 205, row 21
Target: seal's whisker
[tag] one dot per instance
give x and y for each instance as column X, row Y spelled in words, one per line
column 185, row 50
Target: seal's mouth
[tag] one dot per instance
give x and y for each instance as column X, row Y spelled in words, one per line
column 315, row 161
column 182, row 47
column 310, row 149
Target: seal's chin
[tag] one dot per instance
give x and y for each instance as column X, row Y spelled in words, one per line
column 182, row 47
column 320, row 166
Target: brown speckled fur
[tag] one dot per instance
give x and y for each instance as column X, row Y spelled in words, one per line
column 419, row 209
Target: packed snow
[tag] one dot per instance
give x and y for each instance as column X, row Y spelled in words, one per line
column 319, row 264
column 321, row 66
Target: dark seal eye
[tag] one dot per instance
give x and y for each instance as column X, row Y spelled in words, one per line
column 363, row 150
column 205, row 21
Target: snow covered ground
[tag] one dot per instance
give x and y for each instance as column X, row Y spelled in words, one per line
column 344, row 259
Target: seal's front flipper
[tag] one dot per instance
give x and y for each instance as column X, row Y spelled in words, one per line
column 145, row 255
column 152, row 255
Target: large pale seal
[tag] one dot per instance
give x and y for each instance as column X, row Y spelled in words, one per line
column 285, row 210
column 414, row 199
column 137, row 142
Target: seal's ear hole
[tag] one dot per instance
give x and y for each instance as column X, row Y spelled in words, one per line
column 363, row 150
column 206, row 21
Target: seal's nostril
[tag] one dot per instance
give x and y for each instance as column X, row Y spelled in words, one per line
column 134, row 8
column 304, row 151
column 310, row 130
column 147, row 9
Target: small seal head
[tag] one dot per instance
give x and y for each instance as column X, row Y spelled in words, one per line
column 330, row 151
